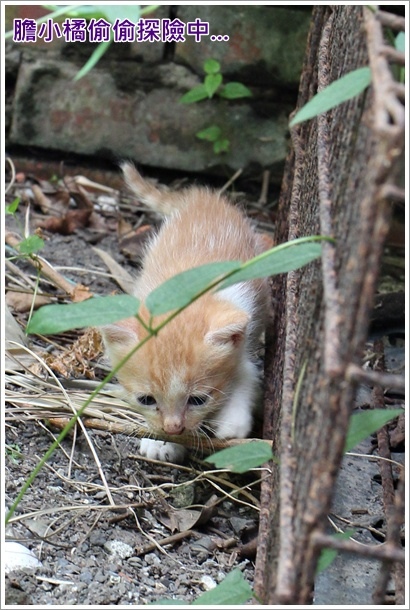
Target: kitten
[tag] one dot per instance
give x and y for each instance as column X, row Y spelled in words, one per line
column 198, row 372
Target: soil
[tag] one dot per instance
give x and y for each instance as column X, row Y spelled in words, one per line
column 92, row 553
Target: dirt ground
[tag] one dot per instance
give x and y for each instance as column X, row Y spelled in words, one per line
column 90, row 553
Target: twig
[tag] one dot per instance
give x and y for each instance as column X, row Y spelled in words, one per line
column 84, row 508
column 385, row 103
column 187, row 440
column 394, row 519
column 391, row 54
column 263, row 198
column 211, row 476
column 16, row 271
column 350, row 523
column 48, row 271
column 13, row 175
column 395, row 22
column 381, row 551
column 150, row 546
column 387, row 380
column 231, row 180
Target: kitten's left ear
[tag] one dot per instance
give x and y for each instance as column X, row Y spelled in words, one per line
column 228, row 328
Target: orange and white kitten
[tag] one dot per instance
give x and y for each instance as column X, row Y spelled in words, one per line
column 198, row 372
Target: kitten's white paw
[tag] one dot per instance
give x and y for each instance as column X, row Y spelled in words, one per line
column 238, row 428
column 160, row 450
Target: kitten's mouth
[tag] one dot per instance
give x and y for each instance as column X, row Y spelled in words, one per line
column 174, row 430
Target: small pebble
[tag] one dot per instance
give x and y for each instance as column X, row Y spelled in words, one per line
column 207, row 582
column 152, row 559
column 119, row 549
column 86, row 577
column 16, row 556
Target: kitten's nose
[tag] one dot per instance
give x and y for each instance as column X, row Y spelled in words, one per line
column 173, row 426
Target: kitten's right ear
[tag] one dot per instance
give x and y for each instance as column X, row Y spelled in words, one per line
column 119, row 333
column 119, row 336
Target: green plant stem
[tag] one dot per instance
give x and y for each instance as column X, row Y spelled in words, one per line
column 36, row 288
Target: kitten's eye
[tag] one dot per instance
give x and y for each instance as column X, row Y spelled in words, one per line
column 146, row 400
column 196, row 400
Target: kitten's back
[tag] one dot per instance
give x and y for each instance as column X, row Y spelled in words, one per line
column 201, row 227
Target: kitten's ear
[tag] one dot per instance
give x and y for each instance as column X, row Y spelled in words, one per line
column 228, row 328
column 119, row 337
column 122, row 332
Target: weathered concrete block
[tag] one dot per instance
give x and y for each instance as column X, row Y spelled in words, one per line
column 266, row 44
column 132, row 110
column 128, row 105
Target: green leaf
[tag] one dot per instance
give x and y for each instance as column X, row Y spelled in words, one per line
column 211, row 133
column 280, row 259
column 11, row 208
column 180, row 290
column 339, row 91
column 232, row 91
column 80, row 11
column 149, row 9
column 327, row 556
column 96, row 311
column 211, row 66
column 400, row 42
column 30, row 245
column 233, row 590
column 212, row 82
column 367, row 422
column 59, row 13
column 93, row 59
column 196, row 94
column 221, row 146
column 242, row 458
column 115, row 11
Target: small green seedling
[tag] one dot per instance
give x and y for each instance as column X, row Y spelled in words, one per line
column 13, row 452
column 30, row 244
column 212, row 86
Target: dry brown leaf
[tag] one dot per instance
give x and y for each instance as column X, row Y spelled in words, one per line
column 22, row 301
column 80, row 293
column 81, row 198
column 67, row 224
column 51, row 200
column 75, row 360
column 120, row 275
column 41, row 199
column 89, row 185
column 184, row 519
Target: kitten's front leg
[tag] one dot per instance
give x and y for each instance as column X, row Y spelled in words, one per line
column 161, row 450
column 235, row 419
